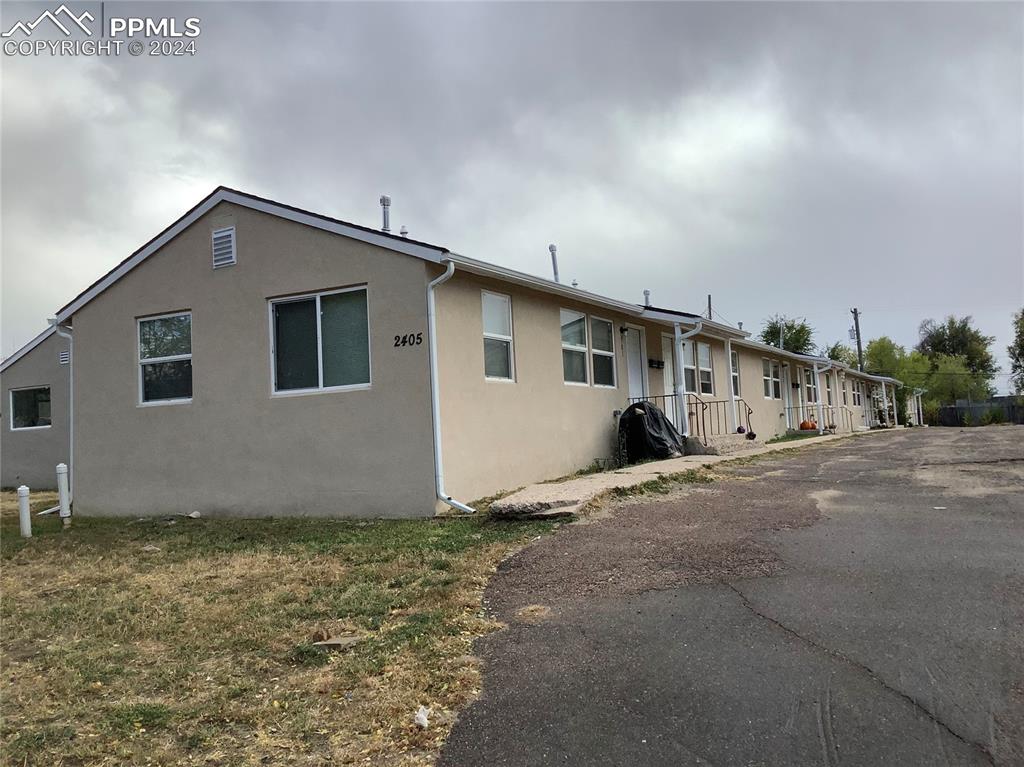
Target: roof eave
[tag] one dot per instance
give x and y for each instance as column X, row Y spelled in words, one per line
column 27, row 348
column 424, row 251
column 484, row 269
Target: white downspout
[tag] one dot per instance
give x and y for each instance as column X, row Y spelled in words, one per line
column 732, row 389
column 64, row 333
column 435, row 394
column 680, row 336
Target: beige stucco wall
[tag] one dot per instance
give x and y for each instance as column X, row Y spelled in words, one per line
column 236, row 449
column 29, row 456
column 498, row 435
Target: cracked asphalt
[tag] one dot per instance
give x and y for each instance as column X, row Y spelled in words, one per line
column 859, row 602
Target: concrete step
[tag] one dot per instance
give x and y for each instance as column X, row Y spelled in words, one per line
column 727, row 444
column 534, row 507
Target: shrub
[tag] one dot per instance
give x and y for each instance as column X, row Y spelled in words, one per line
column 991, row 416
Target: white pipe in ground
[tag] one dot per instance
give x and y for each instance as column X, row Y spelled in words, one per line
column 62, row 493
column 23, row 516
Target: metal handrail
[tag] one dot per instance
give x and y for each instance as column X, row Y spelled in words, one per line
column 702, row 421
column 706, row 417
column 749, row 412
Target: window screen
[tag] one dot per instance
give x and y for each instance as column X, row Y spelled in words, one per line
column 602, row 343
column 574, row 346
column 497, row 323
column 321, row 341
column 30, row 408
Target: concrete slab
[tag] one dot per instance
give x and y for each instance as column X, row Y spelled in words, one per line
column 578, row 491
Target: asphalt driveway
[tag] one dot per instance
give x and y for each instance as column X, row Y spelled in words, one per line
column 854, row 603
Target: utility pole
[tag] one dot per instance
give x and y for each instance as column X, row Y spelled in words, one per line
column 856, row 329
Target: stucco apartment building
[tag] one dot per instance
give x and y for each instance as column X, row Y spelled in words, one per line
column 257, row 359
column 34, row 417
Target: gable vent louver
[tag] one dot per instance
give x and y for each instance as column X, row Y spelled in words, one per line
column 64, row 358
column 224, row 247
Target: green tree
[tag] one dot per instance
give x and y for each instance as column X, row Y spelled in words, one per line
column 914, row 372
column 797, row 335
column 958, row 338
column 882, row 357
column 1016, row 352
column 840, row 352
column 951, row 379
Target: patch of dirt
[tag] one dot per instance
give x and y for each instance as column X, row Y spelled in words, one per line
column 693, row 535
column 533, row 613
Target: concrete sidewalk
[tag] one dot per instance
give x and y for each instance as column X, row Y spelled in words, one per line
column 559, row 499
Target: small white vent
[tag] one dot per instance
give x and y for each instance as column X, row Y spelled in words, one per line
column 223, row 247
column 64, row 358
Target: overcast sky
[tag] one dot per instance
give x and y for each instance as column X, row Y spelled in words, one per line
column 794, row 158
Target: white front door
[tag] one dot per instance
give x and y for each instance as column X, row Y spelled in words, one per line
column 668, row 377
column 635, row 363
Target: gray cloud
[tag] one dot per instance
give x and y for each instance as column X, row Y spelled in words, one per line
column 801, row 158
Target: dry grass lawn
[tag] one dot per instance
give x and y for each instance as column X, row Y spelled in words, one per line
column 202, row 652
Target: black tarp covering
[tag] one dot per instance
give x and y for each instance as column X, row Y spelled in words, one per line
column 645, row 433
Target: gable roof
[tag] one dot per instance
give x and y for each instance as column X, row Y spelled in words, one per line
column 221, row 194
column 27, row 348
column 415, row 248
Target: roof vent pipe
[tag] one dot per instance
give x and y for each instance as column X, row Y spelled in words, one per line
column 385, row 206
column 554, row 260
column 647, row 298
column 404, row 231
column 739, row 325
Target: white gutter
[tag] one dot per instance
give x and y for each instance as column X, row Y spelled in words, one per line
column 66, row 333
column 484, row 269
column 680, row 336
column 435, row 394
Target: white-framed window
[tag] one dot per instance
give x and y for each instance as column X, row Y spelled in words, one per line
column 772, row 377
column 30, row 408
column 499, row 357
column 810, row 385
column 734, row 362
column 705, row 373
column 858, row 393
column 828, row 390
column 689, row 368
column 165, row 358
column 602, row 352
column 574, row 347
column 842, row 387
column 321, row 341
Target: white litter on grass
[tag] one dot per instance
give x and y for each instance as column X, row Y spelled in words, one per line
column 421, row 716
column 939, row 508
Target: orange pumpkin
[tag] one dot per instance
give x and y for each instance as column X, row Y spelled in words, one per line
column 808, row 426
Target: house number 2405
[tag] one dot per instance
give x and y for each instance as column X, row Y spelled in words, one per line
column 409, row 339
